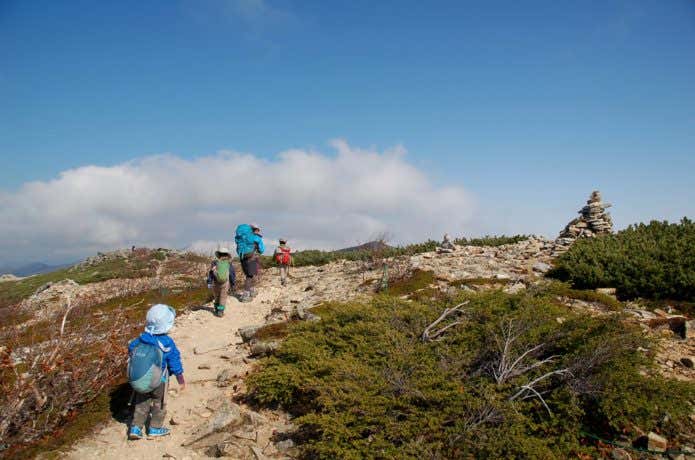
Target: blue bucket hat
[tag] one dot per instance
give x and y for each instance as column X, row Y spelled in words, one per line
column 160, row 319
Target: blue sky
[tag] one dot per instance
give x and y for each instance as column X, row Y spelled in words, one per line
column 527, row 106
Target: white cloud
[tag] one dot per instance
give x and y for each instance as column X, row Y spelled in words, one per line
column 314, row 199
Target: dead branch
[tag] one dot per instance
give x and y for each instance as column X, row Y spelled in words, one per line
column 428, row 334
column 509, row 366
column 65, row 316
column 530, row 387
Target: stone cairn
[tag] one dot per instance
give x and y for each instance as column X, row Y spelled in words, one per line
column 447, row 245
column 593, row 221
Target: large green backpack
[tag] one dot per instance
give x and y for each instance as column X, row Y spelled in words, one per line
column 222, row 272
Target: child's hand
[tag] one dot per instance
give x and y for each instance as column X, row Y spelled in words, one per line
column 182, row 382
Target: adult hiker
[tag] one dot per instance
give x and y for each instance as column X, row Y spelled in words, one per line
column 152, row 357
column 283, row 257
column 221, row 278
column 249, row 245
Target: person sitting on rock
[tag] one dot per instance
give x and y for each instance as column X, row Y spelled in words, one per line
column 153, row 356
column 283, row 257
column 249, row 246
column 221, row 278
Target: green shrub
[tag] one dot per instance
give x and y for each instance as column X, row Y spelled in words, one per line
column 363, row 384
column 654, row 261
column 491, row 240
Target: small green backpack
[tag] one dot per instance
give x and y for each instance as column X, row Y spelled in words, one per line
column 222, row 272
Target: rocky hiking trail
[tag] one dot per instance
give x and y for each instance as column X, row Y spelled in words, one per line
column 210, row 348
column 209, row 419
column 215, row 361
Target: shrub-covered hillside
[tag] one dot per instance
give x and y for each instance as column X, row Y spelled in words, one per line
column 517, row 376
column 655, row 261
column 56, row 371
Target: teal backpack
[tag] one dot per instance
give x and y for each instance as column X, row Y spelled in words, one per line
column 145, row 368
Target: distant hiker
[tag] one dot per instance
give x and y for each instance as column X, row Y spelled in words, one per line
column 283, row 257
column 152, row 357
column 249, row 245
column 222, row 278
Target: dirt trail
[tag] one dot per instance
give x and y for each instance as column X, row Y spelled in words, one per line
column 202, row 331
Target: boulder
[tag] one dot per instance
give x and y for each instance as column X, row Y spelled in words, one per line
column 247, row 333
column 679, row 325
column 541, row 267
column 620, row 454
column 607, row 291
column 284, row 446
column 229, row 414
column 262, row 348
column 689, row 329
column 228, row 450
column 299, row 312
column 656, row 443
column 225, row 378
column 515, row 288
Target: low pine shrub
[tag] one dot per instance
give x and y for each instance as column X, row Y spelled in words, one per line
column 491, row 240
column 652, row 261
column 364, row 384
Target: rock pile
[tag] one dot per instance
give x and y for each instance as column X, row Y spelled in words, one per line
column 447, row 245
column 593, row 221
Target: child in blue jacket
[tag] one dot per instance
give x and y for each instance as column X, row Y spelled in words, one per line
column 160, row 319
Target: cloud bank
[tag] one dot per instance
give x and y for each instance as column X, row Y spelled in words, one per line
column 314, row 199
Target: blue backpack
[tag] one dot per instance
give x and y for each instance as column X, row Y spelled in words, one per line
column 145, row 368
column 244, row 240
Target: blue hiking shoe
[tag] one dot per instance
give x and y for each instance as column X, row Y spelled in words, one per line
column 157, row 432
column 135, row 433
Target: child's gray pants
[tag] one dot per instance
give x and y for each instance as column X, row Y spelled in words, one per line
column 151, row 404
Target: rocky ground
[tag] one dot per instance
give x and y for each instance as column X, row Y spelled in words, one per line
column 208, row 420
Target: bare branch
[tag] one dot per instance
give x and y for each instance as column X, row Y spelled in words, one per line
column 65, row 316
column 428, row 335
column 538, row 395
column 530, row 386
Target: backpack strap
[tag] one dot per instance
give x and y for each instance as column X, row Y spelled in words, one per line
column 165, row 369
column 163, row 348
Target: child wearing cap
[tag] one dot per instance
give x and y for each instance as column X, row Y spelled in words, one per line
column 221, row 277
column 159, row 321
column 283, row 257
